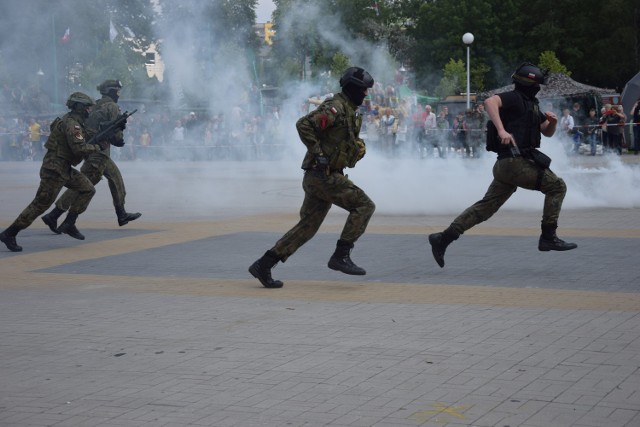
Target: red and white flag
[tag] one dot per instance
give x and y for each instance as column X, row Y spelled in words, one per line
column 66, row 37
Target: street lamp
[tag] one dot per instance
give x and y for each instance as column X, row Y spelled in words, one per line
column 467, row 39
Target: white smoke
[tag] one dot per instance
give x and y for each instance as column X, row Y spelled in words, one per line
column 398, row 186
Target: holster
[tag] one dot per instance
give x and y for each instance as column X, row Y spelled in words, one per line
column 540, row 158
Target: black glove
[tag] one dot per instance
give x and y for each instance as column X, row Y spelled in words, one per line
column 123, row 125
column 102, row 144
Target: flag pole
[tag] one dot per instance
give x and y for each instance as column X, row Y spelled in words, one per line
column 55, row 61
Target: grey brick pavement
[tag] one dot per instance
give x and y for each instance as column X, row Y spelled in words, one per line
column 108, row 358
column 91, row 343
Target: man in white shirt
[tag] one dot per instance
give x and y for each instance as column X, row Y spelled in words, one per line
column 430, row 126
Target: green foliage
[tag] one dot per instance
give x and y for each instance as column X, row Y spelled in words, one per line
column 454, row 80
column 339, row 64
column 549, row 61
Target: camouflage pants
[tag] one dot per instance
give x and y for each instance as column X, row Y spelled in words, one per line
column 508, row 175
column 51, row 182
column 94, row 167
column 321, row 192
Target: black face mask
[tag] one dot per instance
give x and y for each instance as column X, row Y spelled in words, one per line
column 113, row 95
column 529, row 91
column 355, row 93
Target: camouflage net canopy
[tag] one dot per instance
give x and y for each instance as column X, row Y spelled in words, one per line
column 558, row 85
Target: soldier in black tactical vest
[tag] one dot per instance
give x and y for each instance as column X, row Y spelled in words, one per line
column 513, row 132
column 98, row 164
column 66, row 147
column 331, row 134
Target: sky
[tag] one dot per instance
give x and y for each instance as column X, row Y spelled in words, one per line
column 264, row 10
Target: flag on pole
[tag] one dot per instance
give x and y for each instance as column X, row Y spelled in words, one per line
column 113, row 33
column 66, row 36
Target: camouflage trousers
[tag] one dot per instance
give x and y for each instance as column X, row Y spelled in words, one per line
column 51, row 182
column 321, row 192
column 508, row 175
column 94, row 167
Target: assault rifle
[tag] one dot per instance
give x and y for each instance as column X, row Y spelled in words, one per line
column 108, row 129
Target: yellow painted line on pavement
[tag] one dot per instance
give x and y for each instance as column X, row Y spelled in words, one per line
column 18, row 271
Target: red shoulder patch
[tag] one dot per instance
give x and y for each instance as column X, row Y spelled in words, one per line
column 324, row 121
column 333, row 110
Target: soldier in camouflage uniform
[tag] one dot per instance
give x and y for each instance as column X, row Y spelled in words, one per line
column 98, row 164
column 66, row 147
column 518, row 123
column 331, row 134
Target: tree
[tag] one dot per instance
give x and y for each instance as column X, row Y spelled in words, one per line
column 37, row 26
column 549, row 61
column 454, row 80
column 339, row 64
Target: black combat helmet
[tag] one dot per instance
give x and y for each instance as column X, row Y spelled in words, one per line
column 79, row 98
column 354, row 82
column 528, row 74
column 358, row 76
column 108, row 85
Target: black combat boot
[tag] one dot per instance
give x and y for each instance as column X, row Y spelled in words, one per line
column 51, row 219
column 261, row 270
column 8, row 237
column 439, row 243
column 69, row 226
column 341, row 261
column 124, row 217
column 549, row 241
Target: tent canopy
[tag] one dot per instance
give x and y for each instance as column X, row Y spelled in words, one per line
column 564, row 89
column 631, row 94
column 558, row 85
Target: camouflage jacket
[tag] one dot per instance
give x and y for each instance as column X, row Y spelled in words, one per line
column 105, row 110
column 67, row 144
column 333, row 131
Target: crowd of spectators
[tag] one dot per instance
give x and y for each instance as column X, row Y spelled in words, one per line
column 392, row 125
column 593, row 133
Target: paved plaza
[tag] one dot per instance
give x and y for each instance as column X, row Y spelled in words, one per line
column 158, row 323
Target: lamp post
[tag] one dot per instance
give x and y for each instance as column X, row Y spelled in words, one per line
column 39, row 76
column 467, row 39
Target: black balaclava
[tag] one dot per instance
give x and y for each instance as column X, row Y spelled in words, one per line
column 355, row 93
column 113, row 94
column 529, row 91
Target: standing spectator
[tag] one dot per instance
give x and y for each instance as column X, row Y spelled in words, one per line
column 605, row 112
column 417, row 127
column 35, row 136
column 388, row 128
column 400, row 131
column 430, row 131
column 615, row 127
column 592, row 131
column 578, row 115
column 635, row 118
column 373, row 130
column 567, row 126
column 145, row 144
column 460, row 134
column 477, row 123
column 444, row 131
